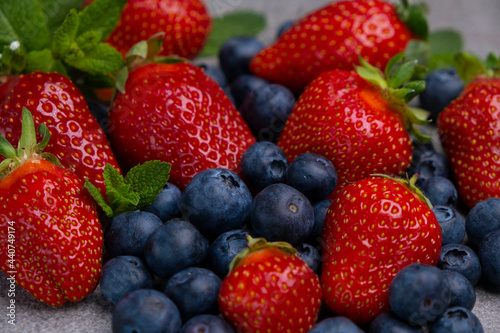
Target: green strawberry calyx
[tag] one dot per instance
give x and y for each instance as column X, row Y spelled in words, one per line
column 136, row 190
column 258, row 244
column 414, row 16
column 410, row 184
column 399, row 89
column 470, row 67
column 28, row 148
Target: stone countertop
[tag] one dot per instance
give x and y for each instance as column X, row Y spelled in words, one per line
column 476, row 20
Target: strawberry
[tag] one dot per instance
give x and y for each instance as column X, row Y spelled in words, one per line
column 51, row 239
column 270, row 289
column 177, row 114
column 332, row 37
column 468, row 132
column 77, row 139
column 374, row 228
column 359, row 124
column 185, row 23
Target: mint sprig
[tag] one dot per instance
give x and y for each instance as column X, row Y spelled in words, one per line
column 135, row 191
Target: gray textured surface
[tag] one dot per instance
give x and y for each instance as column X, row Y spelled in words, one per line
column 479, row 23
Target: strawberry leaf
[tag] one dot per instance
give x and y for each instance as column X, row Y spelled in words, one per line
column 468, row 66
column 403, row 74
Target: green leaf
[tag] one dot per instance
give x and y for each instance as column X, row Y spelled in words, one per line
column 417, row 86
column 65, row 36
column 118, row 193
column 88, row 40
column 55, row 11
column 442, row 60
column 468, row 66
column 371, row 73
column 101, row 60
column 147, row 180
column 23, row 21
column 44, row 61
column 98, row 197
column 417, row 21
column 417, row 50
column 13, row 60
column 391, row 65
column 146, row 49
column 28, row 133
column 403, row 74
column 238, row 23
column 101, row 16
column 445, row 41
column 112, row 177
column 6, row 148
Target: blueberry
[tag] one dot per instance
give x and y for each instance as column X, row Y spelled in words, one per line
column 281, row 213
column 266, row 109
column 440, row 191
column 489, row 255
column 216, row 74
column 177, row 244
column 311, row 256
column 167, row 203
column 225, row 248
column 283, row 27
column 195, row 291
column 123, row 274
column 442, row 86
column 419, row 293
column 128, row 232
column 146, row 311
column 243, row 85
column 388, row 322
column 215, row 201
column 313, row 175
column 428, row 163
column 236, row 53
column 462, row 259
column 457, row 320
column 320, row 209
column 207, row 323
column 482, row 219
column 335, row 324
column 264, row 164
column 451, row 223
column 462, row 291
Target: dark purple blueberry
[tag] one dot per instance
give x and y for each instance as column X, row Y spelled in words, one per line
column 281, row 213
column 482, row 219
column 216, row 74
column 489, row 255
column 457, row 319
column 320, row 208
column 207, row 323
column 236, row 53
column 167, row 203
column 462, row 291
column 225, row 248
column 243, row 85
column 389, row 322
column 428, row 163
column 313, row 175
column 283, row 27
column 146, row 310
column 177, row 244
column 441, row 87
column 451, row 223
column 123, row 274
column 335, row 324
column 311, row 256
column 419, row 293
column 128, row 232
column 215, row 201
column 264, row 164
column 195, row 291
column 440, row 191
column 462, row 259
column 266, row 109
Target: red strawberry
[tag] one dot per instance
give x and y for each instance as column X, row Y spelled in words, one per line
column 468, row 129
column 270, row 289
column 332, row 38
column 186, row 25
column 77, row 139
column 177, row 114
column 358, row 125
column 373, row 229
column 51, row 239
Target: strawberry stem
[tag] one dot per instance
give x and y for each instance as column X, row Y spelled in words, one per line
column 409, row 183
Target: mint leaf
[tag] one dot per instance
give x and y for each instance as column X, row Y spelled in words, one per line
column 44, row 61
column 103, row 59
column 13, row 60
column 118, row 193
column 23, row 21
column 238, row 23
column 101, row 16
column 65, row 36
column 445, row 41
column 147, row 180
column 98, row 197
column 56, row 11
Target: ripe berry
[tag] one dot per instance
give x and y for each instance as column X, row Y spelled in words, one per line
column 336, row 324
column 243, row 85
column 462, row 291
column 389, row 322
column 225, row 247
column 207, row 323
column 462, row 259
column 235, row 55
column 167, row 204
column 457, row 320
column 451, row 223
column 482, row 219
column 440, row 191
column 489, row 255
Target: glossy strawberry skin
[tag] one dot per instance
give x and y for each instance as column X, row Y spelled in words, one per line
column 468, row 129
column 57, row 234
column 346, row 119
column 272, row 292
column 332, row 38
column 77, row 139
column 373, row 229
column 186, row 24
column 177, row 114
